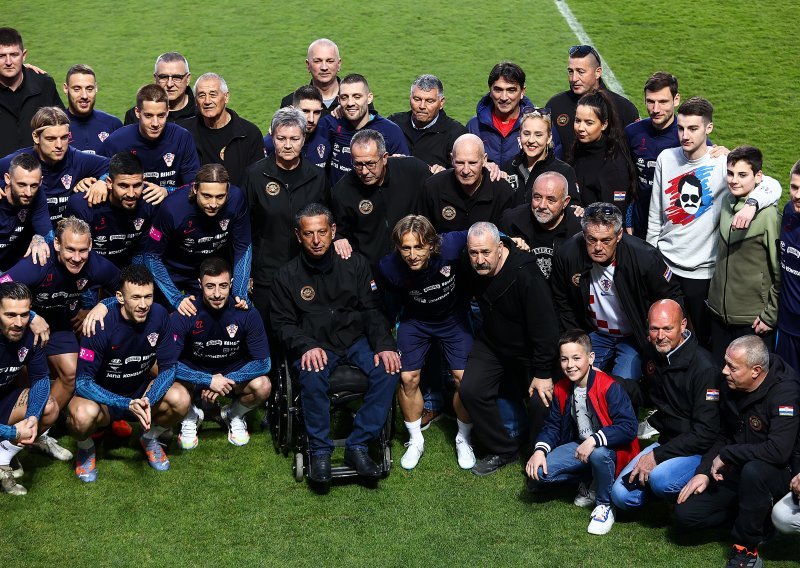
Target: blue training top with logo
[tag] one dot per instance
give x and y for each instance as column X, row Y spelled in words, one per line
column 14, row 356
column 117, row 233
column 87, row 134
column 169, row 161
column 789, row 303
column 59, row 180
column 229, row 341
column 18, row 224
column 115, row 362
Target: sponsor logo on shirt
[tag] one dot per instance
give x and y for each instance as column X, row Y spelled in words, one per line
column 6, row 278
column 86, row 354
column 155, row 234
column 169, row 157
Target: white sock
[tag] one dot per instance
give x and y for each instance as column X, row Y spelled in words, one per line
column 154, row 432
column 192, row 415
column 86, row 444
column 7, row 452
column 238, row 410
column 415, row 432
column 464, row 431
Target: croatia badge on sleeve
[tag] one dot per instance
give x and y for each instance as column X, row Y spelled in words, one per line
column 712, row 394
column 786, row 410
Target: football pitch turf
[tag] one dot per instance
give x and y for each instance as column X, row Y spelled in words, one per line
column 227, row 506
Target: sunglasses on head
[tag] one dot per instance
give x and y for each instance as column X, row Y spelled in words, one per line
column 604, row 209
column 583, row 51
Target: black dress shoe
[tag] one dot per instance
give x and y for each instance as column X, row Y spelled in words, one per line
column 491, row 464
column 320, row 468
column 361, row 462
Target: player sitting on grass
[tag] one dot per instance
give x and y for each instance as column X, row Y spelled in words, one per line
column 590, row 433
column 224, row 351
column 114, row 374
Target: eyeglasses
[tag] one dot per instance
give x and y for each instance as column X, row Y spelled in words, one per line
column 164, row 78
column 371, row 166
column 583, row 51
column 602, row 209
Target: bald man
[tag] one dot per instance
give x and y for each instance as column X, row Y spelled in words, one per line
column 456, row 198
column 681, row 381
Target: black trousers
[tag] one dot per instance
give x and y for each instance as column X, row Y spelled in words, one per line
column 722, row 335
column 746, row 495
column 695, row 293
column 485, row 373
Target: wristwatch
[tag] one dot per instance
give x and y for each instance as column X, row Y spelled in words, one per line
column 751, row 201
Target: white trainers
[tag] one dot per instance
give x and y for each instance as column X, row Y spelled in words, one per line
column 188, row 439
column 466, row 457
column 602, row 520
column 410, row 459
column 645, row 431
column 586, row 495
column 49, row 446
column 237, row 428
column 8, row 483
column 16, row 468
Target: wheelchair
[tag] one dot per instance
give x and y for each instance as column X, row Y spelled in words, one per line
column 348, row 384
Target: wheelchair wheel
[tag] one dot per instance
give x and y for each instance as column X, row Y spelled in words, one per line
column 387, row 459
column 297, row 467
column 288, row 416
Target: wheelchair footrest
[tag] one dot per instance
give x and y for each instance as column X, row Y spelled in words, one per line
column 341, row 471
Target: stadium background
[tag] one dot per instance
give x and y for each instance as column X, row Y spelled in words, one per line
column 222, row 505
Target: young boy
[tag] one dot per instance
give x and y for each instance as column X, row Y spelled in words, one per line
column 589, row 434
column 743, row 296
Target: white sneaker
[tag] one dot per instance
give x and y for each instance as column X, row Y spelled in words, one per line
column 237, row 428
column 49, row 446
column 16, row 468
column 410, row 459
column 586, row 495
column 645, row 431
column 602, row 520
column 188, row 439
column 466, row 457
column 8, row 483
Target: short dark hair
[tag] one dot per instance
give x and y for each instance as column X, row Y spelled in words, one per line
column 136, row 274
column 313, row 210
column 689, row 179
column 576, row 336
column 125, row 164
column 151, row 93
column 10, row 36
column 661, row 79
column 214, row 266
column 509, row 71
column 697, row 106
column 354, row 78
column 79, row 69
column 795, row 171
column 307, row 93
column 15, row 291
column 749, row 154
column 27, row 162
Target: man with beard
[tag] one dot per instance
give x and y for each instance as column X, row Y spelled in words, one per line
column 89, row 127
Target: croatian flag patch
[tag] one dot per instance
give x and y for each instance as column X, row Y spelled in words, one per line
column 712, row 394
column 86, row 354
column 786, row 411
column 373, row 286
column 620, row 195
column 668, row 274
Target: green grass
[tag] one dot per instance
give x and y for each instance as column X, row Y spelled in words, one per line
column 222, row 505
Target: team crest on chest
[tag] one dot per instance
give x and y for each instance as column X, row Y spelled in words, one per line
column 22, row 353
column 102, row 136
column 365, row 206
column 307, row 293
column 169, row 157
column 152, row 339
column 755, row 423
column 273, row 188
column 232, row 329
column 22, row 214
column 66, row 181
column 138, row 222
column 321, row 150
column 445, row 271
column 449, row 213
column 81, row 283
column 223, row 224
column 605, row 284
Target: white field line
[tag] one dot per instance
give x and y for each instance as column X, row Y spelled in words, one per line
column 583, row 38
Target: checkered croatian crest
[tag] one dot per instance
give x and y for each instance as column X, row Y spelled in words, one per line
column 22, row 353
column 232, row 329
column 152, row 339
column 169, row 157
column 22, row 214
column 223, row 224
column 66, row 181
column 138, row 222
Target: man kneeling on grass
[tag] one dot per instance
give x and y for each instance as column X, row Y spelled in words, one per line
column 114, row 374
column 590, row 433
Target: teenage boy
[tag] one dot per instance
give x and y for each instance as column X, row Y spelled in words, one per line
column 589, row 434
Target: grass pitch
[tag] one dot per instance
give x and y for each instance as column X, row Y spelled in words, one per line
column 227, row 506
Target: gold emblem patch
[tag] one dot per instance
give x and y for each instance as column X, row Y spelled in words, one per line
column 651, row 367
column 756, row 424
column 449, row 213
column 365, row 206
column 307, row 293
column 562, row 120
column 576, row 280
column 273, row 188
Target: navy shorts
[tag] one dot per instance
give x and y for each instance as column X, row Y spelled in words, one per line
column 414, row 339
column 61, row 342
column 7, row 403
column 124, row 413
